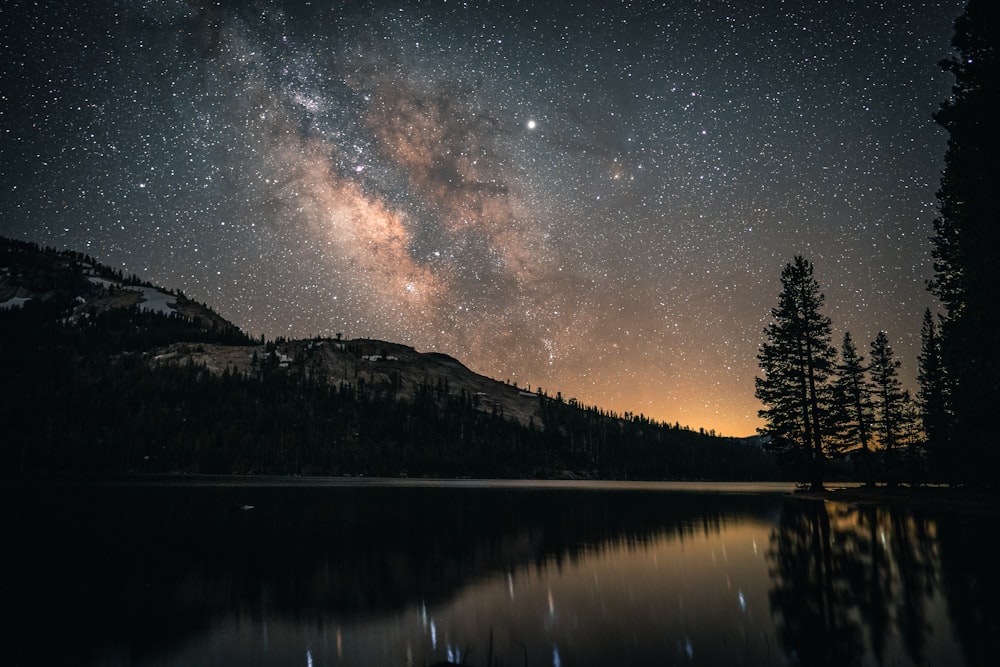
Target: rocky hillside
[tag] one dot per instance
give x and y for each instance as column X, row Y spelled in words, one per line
column 398, row 368
column 80, row 290
column 102, row 372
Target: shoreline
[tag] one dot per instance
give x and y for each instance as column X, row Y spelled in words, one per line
column 924, row 498
column 936, row 498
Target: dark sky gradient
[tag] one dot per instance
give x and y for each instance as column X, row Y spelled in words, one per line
column 595, row 201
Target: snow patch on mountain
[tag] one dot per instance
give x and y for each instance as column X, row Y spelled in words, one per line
column 155, row 301
column 14, row 302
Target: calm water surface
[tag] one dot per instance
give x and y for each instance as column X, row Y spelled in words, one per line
column 324, row 572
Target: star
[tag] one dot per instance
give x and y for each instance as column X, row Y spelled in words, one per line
column 342, row 168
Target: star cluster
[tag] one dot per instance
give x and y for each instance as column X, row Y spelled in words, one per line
column 593, row 199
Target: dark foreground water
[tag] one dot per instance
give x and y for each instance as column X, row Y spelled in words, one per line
column 392, row 573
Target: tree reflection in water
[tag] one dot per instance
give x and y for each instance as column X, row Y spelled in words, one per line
column 849, row 582
column 812, row 595
column 388, row 573
column 968, row 579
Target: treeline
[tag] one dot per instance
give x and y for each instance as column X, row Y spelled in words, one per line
column 43, row 267
column 635, row 446
column 819, row 405
column 80, row 393
column 85, row 398
column 824, row 405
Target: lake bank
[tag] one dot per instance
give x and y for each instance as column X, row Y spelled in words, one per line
column 936, row 498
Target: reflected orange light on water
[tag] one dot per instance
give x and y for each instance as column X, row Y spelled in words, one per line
column 621, row 595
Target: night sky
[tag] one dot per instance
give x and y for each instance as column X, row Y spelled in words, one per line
column 597, row 201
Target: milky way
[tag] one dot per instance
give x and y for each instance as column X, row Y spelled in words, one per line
column 595, row 201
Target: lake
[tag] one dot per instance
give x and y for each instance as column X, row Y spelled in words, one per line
column 401, row 572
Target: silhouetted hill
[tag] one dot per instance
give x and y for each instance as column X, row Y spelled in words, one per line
column 105, row 373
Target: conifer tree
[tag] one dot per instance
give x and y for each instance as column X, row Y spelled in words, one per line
column 911, row 435
column 932, row 396
column 888, row 393
column 967, row 239
column 796, row 361
column 853, row 404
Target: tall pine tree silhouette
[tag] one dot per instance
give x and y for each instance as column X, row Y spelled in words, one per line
column 853, row 406
column 888, row 393
column 967, row 240
column 796, row 361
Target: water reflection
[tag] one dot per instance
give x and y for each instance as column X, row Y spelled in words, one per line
column 491, row 574
column 854, row 585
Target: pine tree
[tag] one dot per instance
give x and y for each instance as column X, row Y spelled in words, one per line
column 853, row 404
column 932, row 396
column 796, row 362
column 912, row 437
column 967, row 239
column 888, row 397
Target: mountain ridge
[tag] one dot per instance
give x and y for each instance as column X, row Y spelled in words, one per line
column 306, row 406
column 374, row 360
